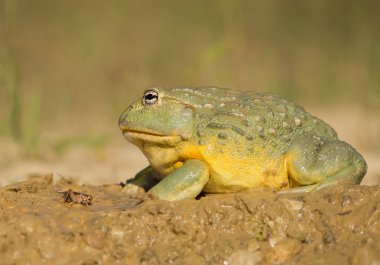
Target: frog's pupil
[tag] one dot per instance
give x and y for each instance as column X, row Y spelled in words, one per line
column 150, row 96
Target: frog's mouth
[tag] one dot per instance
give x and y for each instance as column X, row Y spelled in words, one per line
column 137, row 136
column 134, row 131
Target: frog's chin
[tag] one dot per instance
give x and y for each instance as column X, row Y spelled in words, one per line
column 138, row 137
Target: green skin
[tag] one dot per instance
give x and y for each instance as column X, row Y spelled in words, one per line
column 184, row 131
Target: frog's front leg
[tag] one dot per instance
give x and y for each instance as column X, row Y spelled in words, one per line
column 146, row 178
column 184, row 182
column 320, row 163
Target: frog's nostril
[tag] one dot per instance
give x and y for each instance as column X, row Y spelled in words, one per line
column 123, row 124
column 123, row 119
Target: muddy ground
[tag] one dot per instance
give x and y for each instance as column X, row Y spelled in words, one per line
column 340, row 225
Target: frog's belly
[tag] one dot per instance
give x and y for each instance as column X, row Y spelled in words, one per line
column 242, row 174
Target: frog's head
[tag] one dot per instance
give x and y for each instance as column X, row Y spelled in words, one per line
column 157, row 117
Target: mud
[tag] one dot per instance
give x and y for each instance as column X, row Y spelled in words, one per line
column 340, row 225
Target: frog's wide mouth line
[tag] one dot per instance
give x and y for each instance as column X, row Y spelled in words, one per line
column 134, row 131
column 138, row 137
column 132, row 135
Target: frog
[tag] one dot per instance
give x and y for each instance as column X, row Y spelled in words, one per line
column 218, row 140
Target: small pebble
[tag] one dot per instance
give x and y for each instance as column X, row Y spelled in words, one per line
column 244, row 257
column 133, row 190
column 293, row 205
column 283, row 251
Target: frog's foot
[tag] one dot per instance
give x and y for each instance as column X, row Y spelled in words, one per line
column 184, row 182
column 316, row 163
column 146, row 178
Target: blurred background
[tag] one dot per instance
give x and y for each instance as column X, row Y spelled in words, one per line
column 69, row 68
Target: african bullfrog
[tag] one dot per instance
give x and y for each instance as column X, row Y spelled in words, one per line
column 219, row 140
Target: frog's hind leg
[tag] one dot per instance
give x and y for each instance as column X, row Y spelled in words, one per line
column 315, row 163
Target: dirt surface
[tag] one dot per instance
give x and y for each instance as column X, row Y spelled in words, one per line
column 125, row 226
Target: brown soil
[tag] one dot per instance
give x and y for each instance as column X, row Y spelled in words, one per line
column 340, row 225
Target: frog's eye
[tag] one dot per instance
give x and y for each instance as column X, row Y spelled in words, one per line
column 150, row 97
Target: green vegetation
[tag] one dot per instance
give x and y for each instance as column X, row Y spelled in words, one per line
column 23, row 104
